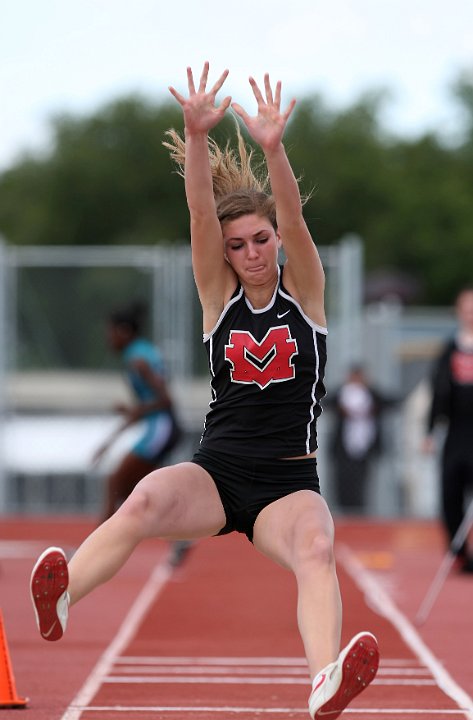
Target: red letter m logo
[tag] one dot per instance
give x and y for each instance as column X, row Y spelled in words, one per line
column 261, row 363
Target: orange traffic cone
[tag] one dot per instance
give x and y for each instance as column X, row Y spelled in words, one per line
column 8, row 696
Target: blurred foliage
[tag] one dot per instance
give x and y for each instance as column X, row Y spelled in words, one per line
column 62, row 314
column 107, row 179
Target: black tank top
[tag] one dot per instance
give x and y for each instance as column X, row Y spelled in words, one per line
column 267, row 368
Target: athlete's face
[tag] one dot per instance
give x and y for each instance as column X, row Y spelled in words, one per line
column 118, row 336
column 251, row 247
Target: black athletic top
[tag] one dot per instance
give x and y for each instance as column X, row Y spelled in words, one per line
column 452, row 385
column 267, row 367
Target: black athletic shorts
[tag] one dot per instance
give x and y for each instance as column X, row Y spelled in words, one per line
column 247, row 485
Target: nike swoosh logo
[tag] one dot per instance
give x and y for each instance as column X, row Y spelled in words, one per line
column 322, row 678
column 47, row 634
column 281, row 315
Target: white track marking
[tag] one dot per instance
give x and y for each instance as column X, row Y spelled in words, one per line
column 232, row 680
column 212, row 660
column 138, row 610
column 175, row 668
column 20, row 549
column 252, row 710
column 224, row 670
column 132, row 669
column 242, row 671
column 382, row 603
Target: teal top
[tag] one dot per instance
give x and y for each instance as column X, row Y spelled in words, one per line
column 142, row 349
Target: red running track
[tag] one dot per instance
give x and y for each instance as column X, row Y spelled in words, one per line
column 217, row 638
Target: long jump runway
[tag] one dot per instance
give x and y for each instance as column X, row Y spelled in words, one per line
column 217, row 637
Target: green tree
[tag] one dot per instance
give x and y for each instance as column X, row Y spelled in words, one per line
column 109, row 180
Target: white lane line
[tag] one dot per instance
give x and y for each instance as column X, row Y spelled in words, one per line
column 155, row 584
column 382, row 603
column 245, row 661
column 238, row 670
column 212, row 660
column 20, row 549
column 127, row 630
column 248, row 671
column 207, row 680
column 225, row 670
column 412, row 672
column 232, row 680
column 400, row 662
column 275, row 711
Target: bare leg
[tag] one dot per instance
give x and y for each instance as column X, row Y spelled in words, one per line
column 297, row 532
column 176, row 502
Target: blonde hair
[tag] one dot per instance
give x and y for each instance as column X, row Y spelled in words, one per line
column 238, row 188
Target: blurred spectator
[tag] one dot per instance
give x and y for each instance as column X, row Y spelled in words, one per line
column 153, row 407
column 356, row 438
column 452, row 405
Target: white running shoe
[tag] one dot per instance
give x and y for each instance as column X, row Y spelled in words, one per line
column 336, row 685
column 48, row 586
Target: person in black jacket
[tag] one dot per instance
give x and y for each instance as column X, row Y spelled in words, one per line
column 452, row 403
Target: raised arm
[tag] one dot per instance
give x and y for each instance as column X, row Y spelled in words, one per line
column 201, row 114
column 303, row 274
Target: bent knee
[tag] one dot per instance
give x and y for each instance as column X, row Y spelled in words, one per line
column 134, row 511
column 315, row 549
column 145, row 507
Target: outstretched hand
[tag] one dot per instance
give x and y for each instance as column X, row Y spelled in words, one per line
column 267, row 127
column 201, row 113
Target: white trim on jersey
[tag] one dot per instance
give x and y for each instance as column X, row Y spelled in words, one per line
column 232, row 301
column 319, row 328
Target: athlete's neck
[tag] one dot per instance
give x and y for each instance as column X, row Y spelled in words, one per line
column 260, row 296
